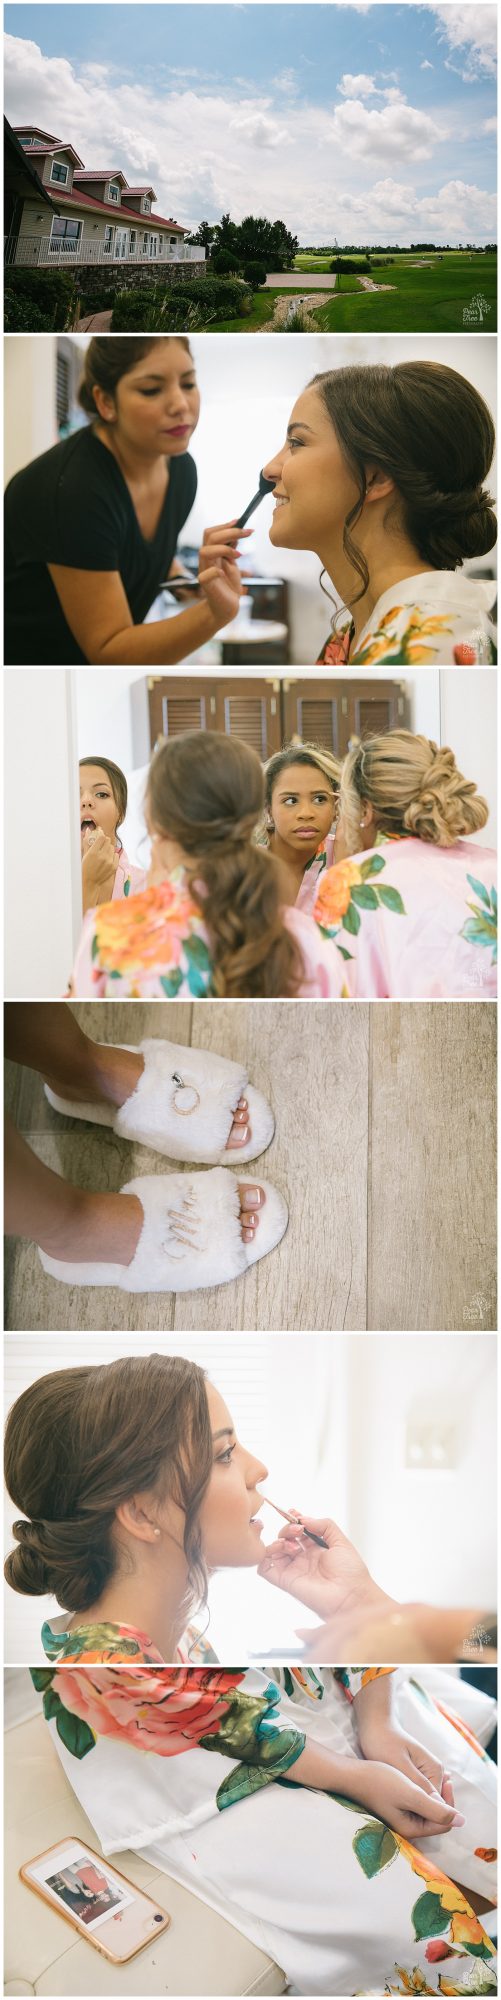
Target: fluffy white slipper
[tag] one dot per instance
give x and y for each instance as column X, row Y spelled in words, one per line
column 191, row 1235
column 183, row 1106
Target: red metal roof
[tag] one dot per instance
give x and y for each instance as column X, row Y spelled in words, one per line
column 101, row 174
column 61, row 146
column 114, row 208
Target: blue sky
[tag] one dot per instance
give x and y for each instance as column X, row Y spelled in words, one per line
column 362, row 122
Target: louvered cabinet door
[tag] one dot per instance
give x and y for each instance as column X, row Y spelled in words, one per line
column 250, row 709
column 330, row 713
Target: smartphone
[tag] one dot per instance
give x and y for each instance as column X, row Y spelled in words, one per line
column 101, row 1904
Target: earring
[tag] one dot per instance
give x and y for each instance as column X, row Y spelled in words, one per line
column 188, row 1092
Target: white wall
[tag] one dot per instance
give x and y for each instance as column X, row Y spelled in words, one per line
column 329, row 1418
column 43, row 897
column 430, row 1535
column 112, row 714
column 30, row 398
column 469, row 725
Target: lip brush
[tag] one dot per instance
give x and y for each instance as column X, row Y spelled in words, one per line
column 294, row 1522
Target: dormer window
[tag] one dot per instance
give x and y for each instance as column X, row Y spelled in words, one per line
column 146, row 204
column 59, row 172
column 114, row 190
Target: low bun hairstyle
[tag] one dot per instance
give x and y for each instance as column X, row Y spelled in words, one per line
column 80, row 1441
column 108, row 359
column 414, row 787
column 206, row 791
column 430, row 431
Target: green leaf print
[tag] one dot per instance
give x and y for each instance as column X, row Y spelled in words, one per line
column 392, row 900
column 372, row 867
column 127, row 886
column 365, row 897
column 351, row 920
column 94, row 946
column 240, row 1783
column 42, row 1678
column 479, row 890
column 429, row 1916
column 375, row 1847
column 171, row 982
column 198, row 962
column 75, row 1734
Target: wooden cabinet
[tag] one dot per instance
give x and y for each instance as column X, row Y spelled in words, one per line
column 269, row 712
column 331, row 713
column 251, row 709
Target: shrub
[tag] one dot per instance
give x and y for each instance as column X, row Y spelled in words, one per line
column 255, row 275
column 42, row 301
column 224, row 263
column 95, row 293
column 162, row 308
column 350, row 265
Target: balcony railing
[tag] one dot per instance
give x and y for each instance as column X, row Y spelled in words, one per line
column 33, row 251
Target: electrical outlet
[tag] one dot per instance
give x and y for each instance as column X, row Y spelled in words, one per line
column 431, row 1447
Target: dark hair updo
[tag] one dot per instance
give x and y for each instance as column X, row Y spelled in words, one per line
column 430, row 431
column 80, row 1441
column 108, row 359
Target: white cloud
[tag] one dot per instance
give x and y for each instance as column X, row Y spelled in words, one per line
column 286, row 81
column 472, row 29
column 396, row 131
column 490, row 125
column 356, row 86
column 427, row 65
column 261, row 131
column 273, row 163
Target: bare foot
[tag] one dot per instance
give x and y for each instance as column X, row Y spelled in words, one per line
column 105, row 1228
column 113, row 1076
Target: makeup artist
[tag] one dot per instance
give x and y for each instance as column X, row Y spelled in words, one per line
column 91, row 526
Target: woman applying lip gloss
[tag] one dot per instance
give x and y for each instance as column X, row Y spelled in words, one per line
column 92, row 526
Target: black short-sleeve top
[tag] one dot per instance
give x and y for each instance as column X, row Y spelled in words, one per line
column 72, row 506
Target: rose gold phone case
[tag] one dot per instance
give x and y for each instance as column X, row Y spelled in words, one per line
column 140, row 1896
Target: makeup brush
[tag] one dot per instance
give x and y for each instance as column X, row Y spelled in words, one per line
column 294, row 1522
column 265, row 486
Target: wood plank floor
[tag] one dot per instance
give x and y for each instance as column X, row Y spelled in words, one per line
column 384, row 1149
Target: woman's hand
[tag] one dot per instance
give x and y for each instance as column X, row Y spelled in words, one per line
column 385, row 1743
column 331, row 1581
column 416, row 1811
column 218, row 571
column 99, row 866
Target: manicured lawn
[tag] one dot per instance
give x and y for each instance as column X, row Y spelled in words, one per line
column 429, row 300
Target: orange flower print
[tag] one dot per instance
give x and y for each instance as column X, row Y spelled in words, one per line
column 486, row 1853
column 467, row 1931
column 335, row 891
column 146, row 931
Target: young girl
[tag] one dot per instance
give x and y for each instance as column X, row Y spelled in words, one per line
column 301, row 810
column 91, row 527
column 211, row 920
column 382, row 475
column 133, row 1485
column 413, row 911
column 107, row 873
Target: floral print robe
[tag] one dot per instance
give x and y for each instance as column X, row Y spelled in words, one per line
column 439, row 617
column 342, row 1903
column 413, row 921
column 155, row 946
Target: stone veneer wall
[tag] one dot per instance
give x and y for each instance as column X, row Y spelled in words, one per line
column 128, row 276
